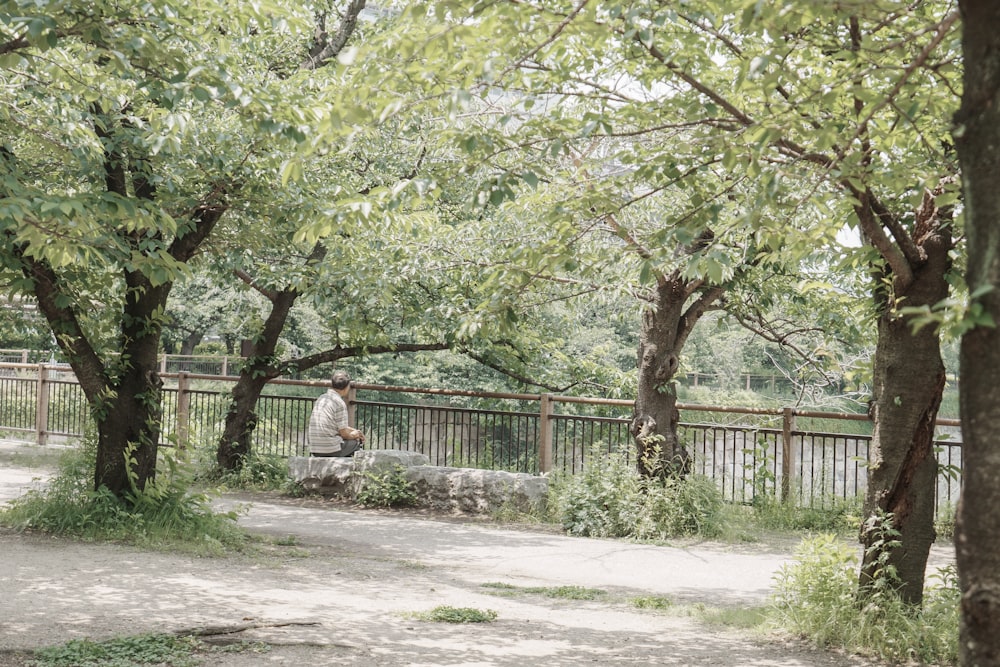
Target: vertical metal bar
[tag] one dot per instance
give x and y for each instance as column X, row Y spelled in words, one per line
column 787, row 454
column 42, row 406
column 545, row 441
column 183, row 425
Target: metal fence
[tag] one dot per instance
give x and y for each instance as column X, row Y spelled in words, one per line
column 765, row 453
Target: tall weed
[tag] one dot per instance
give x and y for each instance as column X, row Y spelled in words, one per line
column 817, row 597
column 166, row 513
column 259, row 472
column 610, row 499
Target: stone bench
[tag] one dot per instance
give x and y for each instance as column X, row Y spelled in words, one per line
column 463, row 489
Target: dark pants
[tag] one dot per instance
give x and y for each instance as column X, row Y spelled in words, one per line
column 346, row 449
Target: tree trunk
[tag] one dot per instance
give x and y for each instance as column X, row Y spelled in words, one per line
column 666, row 325
column 654, row 425
column 191, row 342
column 977, row 529
column 908, row 381
column 128, row 427
column 235, row 444
column 241, row 420
column 128, row 418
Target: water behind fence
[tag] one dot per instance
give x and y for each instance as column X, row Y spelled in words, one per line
column 765, row 453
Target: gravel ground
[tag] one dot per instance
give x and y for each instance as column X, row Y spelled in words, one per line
column 341, row 585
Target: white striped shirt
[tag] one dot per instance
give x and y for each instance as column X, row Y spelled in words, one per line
column 329, row 415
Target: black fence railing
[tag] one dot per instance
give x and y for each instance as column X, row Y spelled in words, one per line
column 765, row 453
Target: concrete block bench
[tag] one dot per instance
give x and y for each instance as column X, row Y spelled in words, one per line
column 463, row 489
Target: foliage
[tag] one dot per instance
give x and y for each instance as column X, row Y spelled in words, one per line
column 610, row 499
column 166, row 514
column 260, row 472
column 840, row 515
column 148, row 649
column 655, row 602
column 770, row 512
column 387, row 488
column 555, row 592
column 817, row 597
column 447, row 614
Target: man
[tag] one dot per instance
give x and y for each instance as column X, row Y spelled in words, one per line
column 329, row 433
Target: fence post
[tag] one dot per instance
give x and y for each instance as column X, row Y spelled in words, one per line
column 42, row 406
column 787, row 455
column 225, row 365
column 352, row 396
column 183, row 410
column 546, row 425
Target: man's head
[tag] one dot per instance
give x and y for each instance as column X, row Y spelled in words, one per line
column 340, row 380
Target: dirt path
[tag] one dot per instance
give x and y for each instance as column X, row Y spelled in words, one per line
column 340, row 585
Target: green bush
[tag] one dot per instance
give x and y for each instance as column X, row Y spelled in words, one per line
column 817, row 597
column 610, row 499
column 446, row 614
column 151, row 649
column 388, row 488
column 166, row 513
column 259, row 472
column 840, row 515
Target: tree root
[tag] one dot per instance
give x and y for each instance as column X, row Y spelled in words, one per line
column 217, row 633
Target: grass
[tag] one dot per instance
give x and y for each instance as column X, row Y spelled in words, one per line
column 653, row 602
column 446, row 614
column 555, row 592
column 167, row 515
column 817, row 598
column 164, row 650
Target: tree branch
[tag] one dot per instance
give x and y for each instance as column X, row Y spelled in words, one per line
column 872, row 227
column 551, row 38
column 65, row 325
column 705, row 301
column 325, row 49
column 516, row 376
column 337, row 353
column 15, row 44
column 245, row 276
column 203, row 221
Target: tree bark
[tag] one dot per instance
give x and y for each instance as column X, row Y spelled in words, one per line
column 977, row 533
column 666, row 325
column 241, row 419
column 908, row 382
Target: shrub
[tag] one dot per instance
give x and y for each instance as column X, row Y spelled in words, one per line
column 259, row 472
column 817, row 597
column 610, row 499
column 165, row 512
column 446, row 614
column 388, row 488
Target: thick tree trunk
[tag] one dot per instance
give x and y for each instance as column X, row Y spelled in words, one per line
column 235, row 444
column 191, row 342
column 908, row 381
column 654, row 425
column 977, row 533
column 666, row 325
column 128, row 428
column 129, row 417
